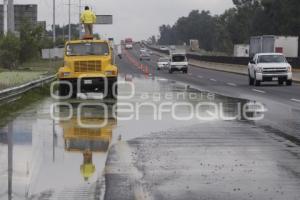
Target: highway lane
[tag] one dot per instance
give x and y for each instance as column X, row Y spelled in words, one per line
column 222, row 160
column 213, row 79
column 146, row 158
column 281, row 102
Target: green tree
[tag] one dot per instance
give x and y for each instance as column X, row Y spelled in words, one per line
column 31, row 37
column 284, row 15
column 225, row 31
column 236, row 25
column 9, row 51
column 166, row 35
column 197, row 25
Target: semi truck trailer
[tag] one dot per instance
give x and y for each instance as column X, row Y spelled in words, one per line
column 287, row 45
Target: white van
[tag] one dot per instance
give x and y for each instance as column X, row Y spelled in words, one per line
column 178, row 62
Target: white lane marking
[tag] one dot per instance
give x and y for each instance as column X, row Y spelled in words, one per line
column 213, row 80
column 200, row 76
column 296, row 100
column 260, row 91
column 232, row 84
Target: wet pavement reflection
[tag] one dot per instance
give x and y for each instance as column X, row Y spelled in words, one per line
column 64, row 157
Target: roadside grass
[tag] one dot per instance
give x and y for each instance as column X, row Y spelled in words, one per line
column 15, row 78
column 10, row 110
column 28, row 72
column 48, row 66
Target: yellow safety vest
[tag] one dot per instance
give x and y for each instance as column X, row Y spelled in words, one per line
column 88, row 17
column 87, row 170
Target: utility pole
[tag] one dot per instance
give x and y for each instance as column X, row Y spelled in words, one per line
column 64, row 32
column 79, row 24
column 69, row 20
column 10, row 160
column 11, row 16
column 54, row 25
column 5, row 2
column 8, row 16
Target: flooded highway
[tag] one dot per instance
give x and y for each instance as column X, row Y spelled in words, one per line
column 162, row 139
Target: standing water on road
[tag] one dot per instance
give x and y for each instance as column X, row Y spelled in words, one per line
column 156, row 135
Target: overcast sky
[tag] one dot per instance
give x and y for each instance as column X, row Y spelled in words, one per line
column 132, row 18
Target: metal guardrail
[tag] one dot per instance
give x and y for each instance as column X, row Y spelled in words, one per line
column 8, row 95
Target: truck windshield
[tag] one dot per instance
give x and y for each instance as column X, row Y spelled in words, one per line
column 178, row 58
column 86, row 49
column 271, row 59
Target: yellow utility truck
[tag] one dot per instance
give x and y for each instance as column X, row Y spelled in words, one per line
column 89, row 67
column 78, row 139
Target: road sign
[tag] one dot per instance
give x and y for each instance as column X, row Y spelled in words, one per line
column 104, row 19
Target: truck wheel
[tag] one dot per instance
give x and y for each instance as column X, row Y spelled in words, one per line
column 185, row 71
column 280, row 82
column 112, row 92
column 62, row 90
column 74, row 93
column 251, row 80
column 289, row 82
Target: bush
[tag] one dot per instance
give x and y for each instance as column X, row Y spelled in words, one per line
column 31, row 41
column 9, row 51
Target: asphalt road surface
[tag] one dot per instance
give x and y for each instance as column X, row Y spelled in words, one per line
column 239, row 159
column 282, row 102
column 176, row 136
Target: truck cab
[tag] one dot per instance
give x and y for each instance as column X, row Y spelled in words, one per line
column 89, row 67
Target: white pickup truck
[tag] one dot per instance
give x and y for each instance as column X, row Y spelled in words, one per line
column 269, row 67
column 178, row 62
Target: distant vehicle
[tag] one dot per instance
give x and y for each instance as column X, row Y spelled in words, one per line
column 143, row 50
column 194, row 45
column 241, row 50
column 178, row 62
column 162, row 63
column 269, row 67
column 288, row 46
column 163, row 48
column 128, row 43
column 119, row 51
column 173, row 47
column 145, row 56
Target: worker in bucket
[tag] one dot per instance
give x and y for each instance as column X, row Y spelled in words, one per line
column 88, row 18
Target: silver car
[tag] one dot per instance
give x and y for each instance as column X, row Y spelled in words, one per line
column 162, row 63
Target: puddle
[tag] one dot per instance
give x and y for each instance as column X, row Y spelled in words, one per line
column 44, row 157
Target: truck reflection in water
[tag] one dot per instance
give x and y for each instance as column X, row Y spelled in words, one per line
column 88, row 140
